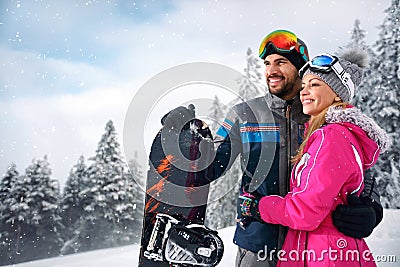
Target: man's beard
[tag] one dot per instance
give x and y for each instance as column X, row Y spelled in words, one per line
column 287, row 89
column 281, row 93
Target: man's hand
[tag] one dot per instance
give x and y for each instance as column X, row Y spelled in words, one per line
column 179, row 117
column 357, row 219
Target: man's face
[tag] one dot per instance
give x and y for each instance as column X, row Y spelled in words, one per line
column 281, row 76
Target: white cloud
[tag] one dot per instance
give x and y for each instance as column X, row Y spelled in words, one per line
column 27, row 73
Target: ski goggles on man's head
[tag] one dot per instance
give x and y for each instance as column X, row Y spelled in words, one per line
column 284, row 42
column 325, row 63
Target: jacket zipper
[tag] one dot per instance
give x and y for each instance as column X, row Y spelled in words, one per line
column 289, row 144
column 242, row 254
column 305, row 249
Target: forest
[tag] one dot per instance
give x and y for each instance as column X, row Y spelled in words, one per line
column 101, row 204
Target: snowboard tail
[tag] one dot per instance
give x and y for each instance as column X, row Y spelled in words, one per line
column 183, row 243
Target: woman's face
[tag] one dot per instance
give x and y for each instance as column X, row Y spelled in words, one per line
column 315, row 95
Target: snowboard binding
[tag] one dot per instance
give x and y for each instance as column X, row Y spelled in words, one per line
column 183, row 243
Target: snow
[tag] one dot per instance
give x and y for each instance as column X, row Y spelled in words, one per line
column 384, row 242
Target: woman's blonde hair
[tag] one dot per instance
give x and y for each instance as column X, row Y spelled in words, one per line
column 317, row 122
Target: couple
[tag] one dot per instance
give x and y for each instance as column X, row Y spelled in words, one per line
column 320, row 200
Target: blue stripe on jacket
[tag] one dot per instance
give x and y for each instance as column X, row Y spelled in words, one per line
column 225, row 128
column 259, row 132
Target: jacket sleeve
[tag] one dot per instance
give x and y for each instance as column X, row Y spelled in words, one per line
column 228, row 145
column 328, row 165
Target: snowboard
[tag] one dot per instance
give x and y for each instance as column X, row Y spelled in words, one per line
column 177, row 185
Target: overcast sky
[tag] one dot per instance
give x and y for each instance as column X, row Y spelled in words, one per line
column 67, row 67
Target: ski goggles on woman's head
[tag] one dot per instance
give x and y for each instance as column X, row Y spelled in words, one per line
column 322, row 63
column 284, row 42
column 325, row 63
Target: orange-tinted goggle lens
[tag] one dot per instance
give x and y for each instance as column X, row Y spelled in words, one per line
column 284, row 41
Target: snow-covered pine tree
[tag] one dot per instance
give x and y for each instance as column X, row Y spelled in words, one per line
column 221, row 208
column 37, row 212
column 7, row 227
column 221, row 211
column 384, row 84
column 43, row 200
column 217, row 113
column 108, row 208
column 6, row 182
column 136, row 170
column 136, row 193
column 71, row 206
column 252, row 84
column 16, row 223
column 357, row 41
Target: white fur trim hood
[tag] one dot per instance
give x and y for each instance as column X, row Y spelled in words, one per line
column 355, row 116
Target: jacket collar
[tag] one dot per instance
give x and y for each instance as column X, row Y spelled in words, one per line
column 296, row 106
column 354, row 116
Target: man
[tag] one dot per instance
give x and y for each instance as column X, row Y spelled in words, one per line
column 266, row 132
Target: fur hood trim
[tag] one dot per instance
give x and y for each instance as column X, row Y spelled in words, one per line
column 355, row 116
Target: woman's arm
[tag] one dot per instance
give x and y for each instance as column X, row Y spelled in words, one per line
column 328, row 165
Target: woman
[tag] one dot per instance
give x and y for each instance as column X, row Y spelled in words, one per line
column 340, row 144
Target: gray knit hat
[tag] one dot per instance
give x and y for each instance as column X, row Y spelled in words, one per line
column 352, row 61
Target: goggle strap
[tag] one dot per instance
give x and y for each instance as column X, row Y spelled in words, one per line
column 303, row 69
column 344, row 77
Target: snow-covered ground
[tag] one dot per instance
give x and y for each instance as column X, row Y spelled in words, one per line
column 384, row 243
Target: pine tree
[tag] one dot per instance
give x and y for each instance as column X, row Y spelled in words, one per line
column 7, row 236
column 251, row 85
column 357, row 41
column 357, row 36
column 136, row 171
column 43, row 198
column 384, row 85
column 221, row 209
column 15, row 222
column 135, row 197
column 217, row 112
column 72, row 204
column 7, row 181
column 31, row 214
column 109, row 202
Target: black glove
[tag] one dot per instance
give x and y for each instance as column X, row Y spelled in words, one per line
column 357, row 219
column 179, row 117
